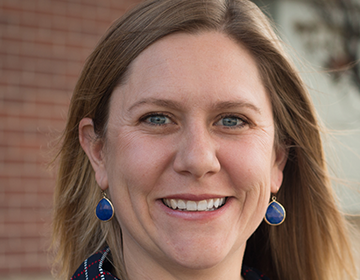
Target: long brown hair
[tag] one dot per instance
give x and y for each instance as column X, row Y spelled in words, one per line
column 312, row 244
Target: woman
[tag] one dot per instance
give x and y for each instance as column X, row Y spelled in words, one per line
column 188, row 118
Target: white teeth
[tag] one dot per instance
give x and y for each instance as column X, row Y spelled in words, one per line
column 173, row 203
column 202, row 205
column 189, row 205
column 210, row 203
column 181, row 204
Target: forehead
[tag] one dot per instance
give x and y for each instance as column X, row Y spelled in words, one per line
column 195, row 66
column 180, row 52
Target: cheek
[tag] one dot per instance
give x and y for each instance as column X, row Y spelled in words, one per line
column 135, row 166
column 136, row 156
column 249, row 167
column 249, row 163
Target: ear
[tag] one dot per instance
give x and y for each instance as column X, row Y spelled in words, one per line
column 93, row 148
column 280, row 159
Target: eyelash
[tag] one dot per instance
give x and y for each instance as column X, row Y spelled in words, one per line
column 244, row 122
column 145, row 118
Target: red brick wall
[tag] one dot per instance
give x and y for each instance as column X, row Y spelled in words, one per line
column 43, row 45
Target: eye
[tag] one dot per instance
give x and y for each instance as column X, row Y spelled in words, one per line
column 157, row 119
column 231, row 122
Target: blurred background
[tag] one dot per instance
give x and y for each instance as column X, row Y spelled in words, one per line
column 43, row 46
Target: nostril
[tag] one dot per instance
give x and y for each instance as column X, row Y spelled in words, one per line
column 197, row 162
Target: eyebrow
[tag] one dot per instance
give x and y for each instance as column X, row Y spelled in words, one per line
column 155, row 101
column 236, row 104
column 177, row 106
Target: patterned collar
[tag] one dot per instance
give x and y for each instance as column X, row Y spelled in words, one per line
column 94, row 268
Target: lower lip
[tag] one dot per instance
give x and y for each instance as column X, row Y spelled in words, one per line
column 195, row 215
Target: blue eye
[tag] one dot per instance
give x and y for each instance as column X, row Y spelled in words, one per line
column 231, row 122
column 158, row 119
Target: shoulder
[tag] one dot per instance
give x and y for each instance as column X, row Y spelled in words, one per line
column 93, row 268
column 252, row 274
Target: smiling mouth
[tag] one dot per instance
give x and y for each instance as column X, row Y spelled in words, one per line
column 190, row 205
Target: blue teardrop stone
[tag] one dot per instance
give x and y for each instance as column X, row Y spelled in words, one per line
column 275, row 213
column 104, row 210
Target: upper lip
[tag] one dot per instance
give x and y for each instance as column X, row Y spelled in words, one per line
column 193, row 197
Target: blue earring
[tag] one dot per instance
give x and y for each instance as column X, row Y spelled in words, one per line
column 275, row 213
column 104, row 210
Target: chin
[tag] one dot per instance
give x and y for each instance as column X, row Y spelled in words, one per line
column 203, row 253
column 198, row 261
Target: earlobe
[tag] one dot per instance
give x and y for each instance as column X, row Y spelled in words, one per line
column 278, row 168
column 93, row 147
column 281, row 157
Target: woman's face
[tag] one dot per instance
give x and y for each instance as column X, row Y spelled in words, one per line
column 192, row 128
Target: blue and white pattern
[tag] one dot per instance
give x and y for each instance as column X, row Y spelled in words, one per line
column 92, row 268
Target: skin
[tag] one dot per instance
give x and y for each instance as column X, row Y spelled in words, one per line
column 193, row 121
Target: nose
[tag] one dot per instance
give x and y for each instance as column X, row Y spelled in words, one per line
column 197, row 153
